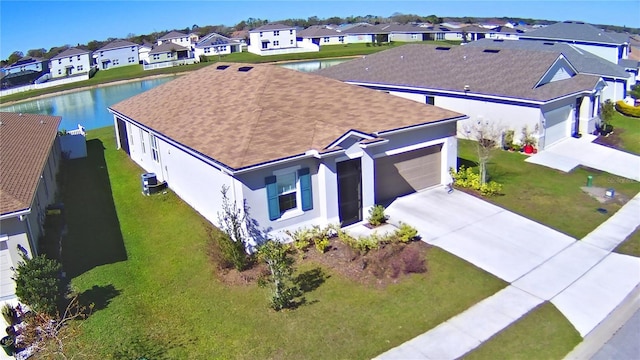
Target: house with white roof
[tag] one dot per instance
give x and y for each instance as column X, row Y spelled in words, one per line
column 273, row 39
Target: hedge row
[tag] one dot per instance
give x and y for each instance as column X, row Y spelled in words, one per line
column 628, row 110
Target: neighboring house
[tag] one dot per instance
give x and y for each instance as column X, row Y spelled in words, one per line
column 216, row 44
column 320, row 35
column 407, row 33
column 115, row 54
column 617, row 79
column 504, row 33
column 513, row 88
column 143, row 53
column 30, row 153
column 366, row 33
column 24, row 71
column 70, row 62
column 273, row 39
column 632, row 67
column 295, row 148
column 608, row 45
column 442, row 32
column 634, row 47
column 177, row 38
column 169, row 51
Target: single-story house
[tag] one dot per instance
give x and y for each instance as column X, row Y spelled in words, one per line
column 70, row 62
column 30, row 153
column 610, row 46
column 408, row 32
column 504, row 33
column 320, row 35
column 216, row 44
column 169, row 51
column 274, row 39
column 617, row 79
column 513, row 88
column 298, row 149
column 366, row 33
column 115, row 54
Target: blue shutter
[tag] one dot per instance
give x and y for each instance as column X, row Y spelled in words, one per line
column 272, row 197
column 305, row 189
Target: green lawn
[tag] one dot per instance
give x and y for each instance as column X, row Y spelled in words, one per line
column 630, row 134
column 136, row 71
column 143, row 261
column 631, row 245
column 544, row 333
column 549, row 196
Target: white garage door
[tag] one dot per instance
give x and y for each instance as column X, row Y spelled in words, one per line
column 401, row 174
column 7, row 285
column 557, row 125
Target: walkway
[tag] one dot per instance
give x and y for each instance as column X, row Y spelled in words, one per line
column 570, row 152
column 581, row 278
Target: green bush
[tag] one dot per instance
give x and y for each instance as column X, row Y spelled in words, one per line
column 38, row 283
column 628, row 110
column 406, row 233
column 304, row 237
column 322, row 244
column 466, row 178
column 377, row 216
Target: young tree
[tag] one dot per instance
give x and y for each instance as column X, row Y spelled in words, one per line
column 38, row 283
column 607, row 110
column 486, row 135
column 234, row 223
column 280, row 264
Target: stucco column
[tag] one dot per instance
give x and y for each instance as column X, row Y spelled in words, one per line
column 328, row 190
column 368, row 183
column 115, row 127
column 449, row 158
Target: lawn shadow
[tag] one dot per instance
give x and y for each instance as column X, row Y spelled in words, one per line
column 466, row 163
column 310, row 280
column 93, row 235
column 98, row 297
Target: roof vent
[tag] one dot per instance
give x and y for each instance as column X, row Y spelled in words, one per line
column 222, row 67
column 498, row 40
column 245, row 68
column 491, row 51
column 443, row 48
column 547, row 43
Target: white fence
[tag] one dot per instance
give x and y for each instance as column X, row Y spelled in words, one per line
column 50, row 83
column 166, row 64
column 266, row 52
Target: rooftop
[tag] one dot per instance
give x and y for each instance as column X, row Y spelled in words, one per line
column 268, row 27
column 268, row 112
column 25, row 143
column 166, row 47
column 577, row 30
column 117, row 44
column 173, row 35
column 70, row 52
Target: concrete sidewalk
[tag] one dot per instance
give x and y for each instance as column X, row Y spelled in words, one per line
column 583, row 279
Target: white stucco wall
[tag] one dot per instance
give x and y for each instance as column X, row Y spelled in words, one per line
column 286, row 38
column 614, row 91
column 607, row 53
column 59, row 65
column 359, row 38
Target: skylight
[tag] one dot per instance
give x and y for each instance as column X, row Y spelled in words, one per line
column 245, row 68
column 443, row 48
column 222, row 67
column 492, row 51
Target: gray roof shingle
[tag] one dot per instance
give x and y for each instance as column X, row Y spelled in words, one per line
column 166, row 47
column 173, row 35
column 507, row 73
column 576, row 30
column 268, row 27
column 117, row 44
column 70, row 52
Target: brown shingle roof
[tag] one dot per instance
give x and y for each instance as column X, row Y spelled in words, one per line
column 25, row 143
column 508, row 73
column 268, row 113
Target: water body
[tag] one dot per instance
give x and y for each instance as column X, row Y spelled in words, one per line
column 89, row 107
column 86, row 107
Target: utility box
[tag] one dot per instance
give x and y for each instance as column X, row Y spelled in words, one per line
column 149, row 180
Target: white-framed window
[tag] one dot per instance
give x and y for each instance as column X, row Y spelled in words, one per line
column 133, row 48
column 130, row 132
column 142, row 136
column 290, row 32
column 440, row 36
column 414, row 36
column 326, row 39
column 156, row 56
column 132, row 59
column 260, row 33
column 207, row 50
column 59, row 61
column 78, row 57
column 59, row 71
column 276, row 43
column 291, row 42
column 101, row 53
column 341, row 39
column 276, row 33
column 70, row 58
column 116, row 62
column 80, row 67
column 288, row 189
column 154, row 148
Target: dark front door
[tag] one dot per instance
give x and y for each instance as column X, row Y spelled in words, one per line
column 349, row 192
column 576, row 125
column 122, row 133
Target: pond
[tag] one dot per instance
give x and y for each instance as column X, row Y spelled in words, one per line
column 86, row 107
column 89, row 107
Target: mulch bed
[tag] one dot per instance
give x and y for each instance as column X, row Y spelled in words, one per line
column 612, row 140
column 387, row 265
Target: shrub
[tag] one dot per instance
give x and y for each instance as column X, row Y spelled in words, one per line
column 9, row 313
column 322, row 244
column 38, row 283
column 233, row 222
column 466, row 178
column 491, row 188
column 284, row 291
column 304, row 237
column 377, row 216
column 628, row 110
column 406, row 233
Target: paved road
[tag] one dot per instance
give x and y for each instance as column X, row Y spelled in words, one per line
column 625, row 344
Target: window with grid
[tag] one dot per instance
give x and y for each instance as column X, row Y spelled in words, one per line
column 154, row 148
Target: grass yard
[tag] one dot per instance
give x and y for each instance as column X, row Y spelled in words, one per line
column 544, row 333
column 549, row 196
column 143, row 261
column 630, row 134
column 631, row 245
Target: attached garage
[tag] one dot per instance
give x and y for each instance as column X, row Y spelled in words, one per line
column 556, row 125
column 401, row 174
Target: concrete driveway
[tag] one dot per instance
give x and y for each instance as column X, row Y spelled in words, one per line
column 499, row 241
column 571, row 152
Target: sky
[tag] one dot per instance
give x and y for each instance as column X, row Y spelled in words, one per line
column 28, row 25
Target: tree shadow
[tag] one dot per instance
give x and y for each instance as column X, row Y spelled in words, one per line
column 466, row 163
column 93, row 235
column 98, row 297
column 310, row 280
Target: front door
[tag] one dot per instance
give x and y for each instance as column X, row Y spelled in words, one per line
column 576, row 125
column 350, row 192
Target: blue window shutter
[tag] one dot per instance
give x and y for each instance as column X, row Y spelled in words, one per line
column 305, row 189
column 272, row 197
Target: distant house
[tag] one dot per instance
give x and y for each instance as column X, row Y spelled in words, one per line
column 24, row 71
column 143, row 52
column 296, row 148
column 216, row 44
column 272, row 39
column 115, row 54
column 70, row 62
column 320, row 35
column 177, row 38
column 617, row 79
column 366, row 33
column 504, row 33
column 30, row 153
column 513, row 88
column 608, row 45
column 408, row 33
column 169, row 54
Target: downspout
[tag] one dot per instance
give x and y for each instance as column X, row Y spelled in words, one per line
column 34, row 251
